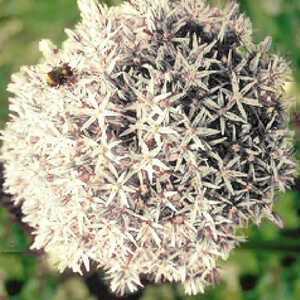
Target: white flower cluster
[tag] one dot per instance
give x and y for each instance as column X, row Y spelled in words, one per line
column 147, row 140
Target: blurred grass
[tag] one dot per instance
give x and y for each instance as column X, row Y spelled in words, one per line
column 267, row 267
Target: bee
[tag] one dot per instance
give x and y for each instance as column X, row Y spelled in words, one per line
column 59, row 75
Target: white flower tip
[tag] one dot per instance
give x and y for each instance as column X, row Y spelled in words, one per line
column 90, row 7
column 47, row 48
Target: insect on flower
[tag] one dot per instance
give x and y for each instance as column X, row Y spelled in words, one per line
column 59, row 75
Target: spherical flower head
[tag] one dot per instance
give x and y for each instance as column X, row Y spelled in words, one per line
column 147, row 140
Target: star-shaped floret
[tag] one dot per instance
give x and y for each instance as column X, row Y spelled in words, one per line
column 118, row 187
column 196, row 130
column 239, row 97
column 192, row 73
column 227, row 171
column 223, row 112
column 102, row 150
column 156, row 128
column 99, row 111
column 147, row 160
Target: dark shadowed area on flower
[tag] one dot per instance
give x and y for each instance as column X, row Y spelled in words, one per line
column 265, row 267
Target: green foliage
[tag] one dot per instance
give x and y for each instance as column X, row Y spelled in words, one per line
column 269, row 260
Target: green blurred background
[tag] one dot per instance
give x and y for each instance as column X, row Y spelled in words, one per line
column 266, row 267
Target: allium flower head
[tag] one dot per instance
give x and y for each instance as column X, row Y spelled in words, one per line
column 147, row 140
